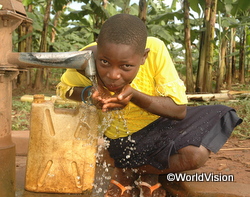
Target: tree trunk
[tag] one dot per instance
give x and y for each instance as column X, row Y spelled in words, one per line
column 222, row 64
column 21, row 78
column 207, row 84
column 104, row 4
column 203, row 50
column 201, row 63
column 52, row 40
column 242, row 57
column 126, row 8
column 188, row 54
column 247, row 56
column 97, row 19
column 29, row 47
column 143, row 10
column 53, row 31
column 230, row 72
column 43, row 46
column 233, row 46
column 25, row 29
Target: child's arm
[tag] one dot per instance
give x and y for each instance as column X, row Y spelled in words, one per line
column 162, row 106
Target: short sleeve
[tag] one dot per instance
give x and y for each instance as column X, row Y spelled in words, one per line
column 167, row 80
column 70, row 79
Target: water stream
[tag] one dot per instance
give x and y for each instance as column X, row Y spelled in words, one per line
column 103, row 169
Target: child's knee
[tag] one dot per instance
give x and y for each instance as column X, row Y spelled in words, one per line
column 201, row 156
column 196, row 157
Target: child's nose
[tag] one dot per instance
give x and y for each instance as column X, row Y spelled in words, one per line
column 114, row 74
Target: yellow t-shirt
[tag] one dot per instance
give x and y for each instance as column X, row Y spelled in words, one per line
column 156, row 77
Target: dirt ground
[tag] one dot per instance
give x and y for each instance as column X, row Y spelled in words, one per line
column 233, row 158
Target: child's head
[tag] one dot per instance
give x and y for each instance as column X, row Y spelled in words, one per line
column 124, row 29
column 120, row 51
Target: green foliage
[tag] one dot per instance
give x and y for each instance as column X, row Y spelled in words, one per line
column 20, row 114
column 161, row 22
column 243, row 110
column 240, row 6
column 197, row 5
column 26, row 2
column 58, row 4
column 77, row 28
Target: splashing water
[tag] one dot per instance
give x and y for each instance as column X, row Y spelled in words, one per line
column 93, row 79
column 104, row 169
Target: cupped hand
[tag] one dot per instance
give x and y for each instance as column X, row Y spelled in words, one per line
column 119, row 100
column 103, row 99
column 99, row 95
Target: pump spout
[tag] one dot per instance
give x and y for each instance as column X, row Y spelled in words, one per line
column 90, row 70
column 77, row 59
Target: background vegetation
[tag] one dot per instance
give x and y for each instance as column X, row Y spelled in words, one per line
column 208, row 40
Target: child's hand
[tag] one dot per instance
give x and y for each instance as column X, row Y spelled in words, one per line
column 99, row 96
column 118, row 100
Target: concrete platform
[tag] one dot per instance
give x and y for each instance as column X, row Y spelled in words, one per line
column 180, row 189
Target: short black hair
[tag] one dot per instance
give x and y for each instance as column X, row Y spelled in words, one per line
column 124, row 29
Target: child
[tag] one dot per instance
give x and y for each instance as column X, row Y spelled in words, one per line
column 158, row 134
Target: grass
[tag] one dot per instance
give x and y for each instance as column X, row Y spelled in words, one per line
column 21, row 115
column 242, row 107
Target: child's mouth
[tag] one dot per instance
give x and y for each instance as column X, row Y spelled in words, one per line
column 113, row 88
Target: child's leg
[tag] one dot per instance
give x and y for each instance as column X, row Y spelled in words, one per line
column 187, row 158
column 104, row 157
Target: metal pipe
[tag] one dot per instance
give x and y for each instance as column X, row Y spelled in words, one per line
column 76, row 59
column 90, row 70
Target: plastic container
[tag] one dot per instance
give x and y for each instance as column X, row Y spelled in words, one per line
column 62, row 148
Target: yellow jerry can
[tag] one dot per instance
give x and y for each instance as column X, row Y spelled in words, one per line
column 62, row 148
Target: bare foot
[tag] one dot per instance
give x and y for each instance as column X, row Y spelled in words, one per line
column 150, row 187
column 122, row 184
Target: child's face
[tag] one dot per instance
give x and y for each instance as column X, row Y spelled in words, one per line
column 118, row 64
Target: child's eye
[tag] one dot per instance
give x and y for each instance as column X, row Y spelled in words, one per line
column 104, row 62
column 127, row 66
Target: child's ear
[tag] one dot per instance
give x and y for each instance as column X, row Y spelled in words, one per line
column 145, row 55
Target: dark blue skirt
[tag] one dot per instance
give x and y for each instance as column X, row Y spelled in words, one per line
column 209, row 126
